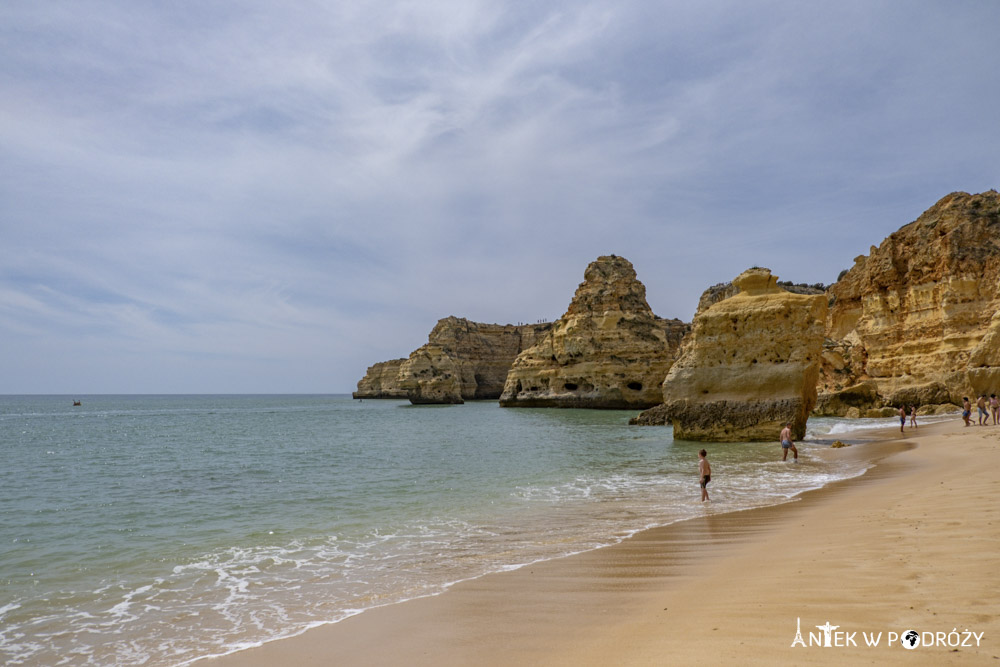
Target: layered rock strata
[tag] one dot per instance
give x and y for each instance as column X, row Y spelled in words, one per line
column 607, row 351
column 750, row 364
column 723, row 291
column 913, row 322
column 464, row 360
column 913, row 316
column 381, row 381
column 984, row 362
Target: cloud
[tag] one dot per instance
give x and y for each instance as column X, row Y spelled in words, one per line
column 288, row 194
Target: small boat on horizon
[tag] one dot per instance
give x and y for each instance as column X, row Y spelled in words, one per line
column 75, row 403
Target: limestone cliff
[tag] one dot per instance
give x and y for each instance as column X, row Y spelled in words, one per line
column 715, row 294
column 464, row 360
column 723, row 291
column 912, row 316
column 381, row 381
column 607, row 351
column 853, row 401
column 984, row 362
column 749, row 365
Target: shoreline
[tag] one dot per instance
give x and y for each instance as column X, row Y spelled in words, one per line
column 545, row 612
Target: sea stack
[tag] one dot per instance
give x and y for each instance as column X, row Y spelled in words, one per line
column 607, row 351
column 749, row 365
column 914, row 316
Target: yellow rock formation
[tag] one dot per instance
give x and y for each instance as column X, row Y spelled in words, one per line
column 984, row 362
column 607, row 351
column 911, row 315
column 464, row 360
column 749, row 365
column 381, row 381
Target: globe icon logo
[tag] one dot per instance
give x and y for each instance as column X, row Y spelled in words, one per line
column 910, row 639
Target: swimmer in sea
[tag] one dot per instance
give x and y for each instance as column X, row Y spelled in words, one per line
column 786, row 443
column 704, row 473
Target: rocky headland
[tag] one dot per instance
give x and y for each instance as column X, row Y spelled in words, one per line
column 607, row 351
column 462, row 360
column 749, row 365
column 914, row 322
column 910, row 322
column 381, row 381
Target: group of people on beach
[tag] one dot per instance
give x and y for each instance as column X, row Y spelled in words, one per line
column 987, row 407
column 705, row 468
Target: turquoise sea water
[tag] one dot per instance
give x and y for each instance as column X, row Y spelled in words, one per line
column 160, row 529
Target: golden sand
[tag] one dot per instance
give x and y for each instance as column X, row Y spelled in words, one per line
column 913, row 544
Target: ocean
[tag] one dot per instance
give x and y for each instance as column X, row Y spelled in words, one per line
column 157, row 530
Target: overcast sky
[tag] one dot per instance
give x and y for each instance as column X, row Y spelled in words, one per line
column 253, row 197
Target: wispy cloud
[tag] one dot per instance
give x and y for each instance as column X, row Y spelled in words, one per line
column 260, row 198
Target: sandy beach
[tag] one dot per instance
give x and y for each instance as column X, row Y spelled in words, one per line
column 914, row 544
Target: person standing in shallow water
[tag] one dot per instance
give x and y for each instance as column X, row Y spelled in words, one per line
column 902, row 418
column 966, row 410
column 913, row 416
column 704, row 473
column 786, row 443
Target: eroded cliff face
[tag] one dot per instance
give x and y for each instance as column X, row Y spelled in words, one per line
column 910, row 316
column 984, row 362
column 912, row 322
column 607, row 351
column 750, row 364
column 381, row 381
column 464, row 360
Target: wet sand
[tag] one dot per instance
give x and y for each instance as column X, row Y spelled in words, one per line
column 912, row 544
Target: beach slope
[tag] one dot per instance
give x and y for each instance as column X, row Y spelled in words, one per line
column 912, row 545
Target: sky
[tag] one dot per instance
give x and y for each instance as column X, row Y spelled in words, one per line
column 263, row 197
